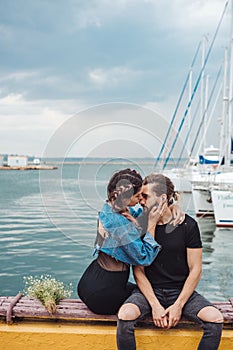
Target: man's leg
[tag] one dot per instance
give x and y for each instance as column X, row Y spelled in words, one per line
column 212, row 323
column 210, row 319
column 134, row 308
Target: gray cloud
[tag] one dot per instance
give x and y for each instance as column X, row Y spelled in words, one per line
column 60, row 56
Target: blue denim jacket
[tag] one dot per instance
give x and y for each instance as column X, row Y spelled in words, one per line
column 123, row 239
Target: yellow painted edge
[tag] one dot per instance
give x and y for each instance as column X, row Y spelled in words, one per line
column 60, row 336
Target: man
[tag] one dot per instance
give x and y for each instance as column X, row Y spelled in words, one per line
column 167, row 287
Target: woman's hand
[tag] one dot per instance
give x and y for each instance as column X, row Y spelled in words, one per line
column 177, row 214
column 154, row 216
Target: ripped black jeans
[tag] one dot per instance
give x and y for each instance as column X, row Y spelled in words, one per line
column 212, row 331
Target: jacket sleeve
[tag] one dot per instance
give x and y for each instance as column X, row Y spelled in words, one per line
column 124, row 241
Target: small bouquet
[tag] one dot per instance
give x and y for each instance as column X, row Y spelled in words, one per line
column 47, row 289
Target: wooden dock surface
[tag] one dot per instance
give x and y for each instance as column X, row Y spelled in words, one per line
column 25, row 324
column 24, row 308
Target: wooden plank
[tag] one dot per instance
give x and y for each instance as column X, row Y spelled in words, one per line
column 76, row 310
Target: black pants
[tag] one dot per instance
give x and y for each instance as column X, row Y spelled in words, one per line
column 212, row 331
column 104, row 291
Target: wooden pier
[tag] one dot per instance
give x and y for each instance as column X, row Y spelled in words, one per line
column 25, row 324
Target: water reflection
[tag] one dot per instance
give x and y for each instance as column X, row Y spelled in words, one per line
column 31, row 243
column 207, row 228
column 216, row 282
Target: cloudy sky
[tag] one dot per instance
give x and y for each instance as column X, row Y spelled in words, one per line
column 59, row 58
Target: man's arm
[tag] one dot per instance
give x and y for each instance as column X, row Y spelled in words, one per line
column 146, row 288
column 194, row 259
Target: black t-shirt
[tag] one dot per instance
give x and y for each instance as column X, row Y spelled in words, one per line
column 170, row 268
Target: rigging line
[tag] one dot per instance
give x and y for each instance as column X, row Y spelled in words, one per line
column 211, row 115
column 190, row 128
column 195, row 88
column 188, row 134
column 177, row 107
column 203, row 117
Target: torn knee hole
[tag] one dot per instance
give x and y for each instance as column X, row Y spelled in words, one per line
column 129, row 312
column 210, row 314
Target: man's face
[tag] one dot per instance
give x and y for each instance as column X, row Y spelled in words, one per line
column 148, row 197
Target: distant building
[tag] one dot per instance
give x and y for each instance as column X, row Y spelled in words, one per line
column 36, row 161
column 17, row 161
column 1, row 160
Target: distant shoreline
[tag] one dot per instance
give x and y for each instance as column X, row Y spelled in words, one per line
column 53, row 163
column 29, row 167
column 117, row 161
column 98, row 162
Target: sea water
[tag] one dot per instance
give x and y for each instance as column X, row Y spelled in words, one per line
column 48, row 226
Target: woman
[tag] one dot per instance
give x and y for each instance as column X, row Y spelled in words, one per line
column 104, row 285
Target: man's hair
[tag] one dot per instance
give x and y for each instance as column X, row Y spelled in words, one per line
column 161, row 184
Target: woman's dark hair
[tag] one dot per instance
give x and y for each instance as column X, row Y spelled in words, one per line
column 161, row 184
column 123, row 185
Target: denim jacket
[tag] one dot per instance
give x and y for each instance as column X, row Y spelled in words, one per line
column 123, row 240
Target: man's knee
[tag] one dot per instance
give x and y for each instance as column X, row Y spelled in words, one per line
column 129, row 312
column 127, row 317
column 210, row 314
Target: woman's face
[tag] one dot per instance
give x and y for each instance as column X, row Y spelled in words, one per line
column 135, row 199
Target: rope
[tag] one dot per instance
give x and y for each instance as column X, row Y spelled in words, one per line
column 9, row 310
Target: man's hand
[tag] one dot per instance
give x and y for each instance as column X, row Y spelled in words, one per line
column 173, row 313
column 158, row 318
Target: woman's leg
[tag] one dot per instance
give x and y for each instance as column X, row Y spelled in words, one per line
column 104, row 291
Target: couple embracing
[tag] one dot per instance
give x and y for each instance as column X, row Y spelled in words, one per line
column 163, row 246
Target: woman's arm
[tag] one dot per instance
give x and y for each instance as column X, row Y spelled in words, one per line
column 124, row 241
column 177, row 214
column 132, row 249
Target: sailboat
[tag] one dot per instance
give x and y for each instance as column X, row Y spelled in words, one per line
column 210, row 156
column 210, row 178
column 187, row 167
column 213, row 192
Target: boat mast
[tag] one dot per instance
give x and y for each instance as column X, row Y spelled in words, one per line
column 205, row 110
column 229, row 122
column 202, row 97
column 190, row 113
column 223, row 127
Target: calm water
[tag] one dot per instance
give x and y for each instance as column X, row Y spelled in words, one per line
column 48, row 224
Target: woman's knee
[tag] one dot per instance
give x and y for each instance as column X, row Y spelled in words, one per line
column 129, row 312
column 210, row 314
